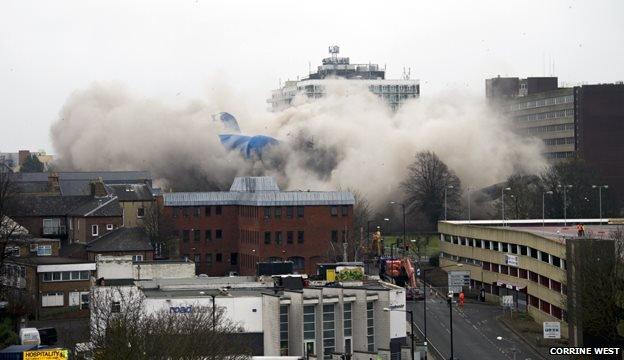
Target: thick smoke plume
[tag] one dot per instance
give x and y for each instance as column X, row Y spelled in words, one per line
column 349, row 139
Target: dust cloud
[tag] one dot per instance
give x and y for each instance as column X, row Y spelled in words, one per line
column 348, row 139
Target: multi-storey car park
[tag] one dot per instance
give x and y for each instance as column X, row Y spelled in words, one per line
column 528, row 259
column 394, row 92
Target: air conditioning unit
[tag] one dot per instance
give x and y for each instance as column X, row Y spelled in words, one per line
column 34, row 247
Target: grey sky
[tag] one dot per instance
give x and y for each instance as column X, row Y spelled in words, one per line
column 165, row 49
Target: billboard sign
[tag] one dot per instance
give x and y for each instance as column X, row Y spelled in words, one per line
column 552, row 330
column 511, row 260
column 55, row 354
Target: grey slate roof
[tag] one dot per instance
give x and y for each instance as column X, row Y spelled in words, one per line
column 253, row 196
column 121, row 239
column 132, row 192
column 55, row 205
column 77, row 183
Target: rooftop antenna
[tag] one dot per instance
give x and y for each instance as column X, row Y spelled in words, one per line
column 334, row 50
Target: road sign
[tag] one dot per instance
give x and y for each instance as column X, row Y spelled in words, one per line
column 418, row 272
column 552, row 330
column 457, row 280
column 507, row 301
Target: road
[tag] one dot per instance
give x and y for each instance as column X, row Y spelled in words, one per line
column 475, row 331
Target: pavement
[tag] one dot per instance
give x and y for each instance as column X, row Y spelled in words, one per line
column 475, row 331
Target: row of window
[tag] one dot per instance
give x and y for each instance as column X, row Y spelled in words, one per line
column 66, row 276
column 95, row 229
column 511, row 271
column 560, row 155
column 196, row 211
column 546, row 115
column 559, row 141
column 334, row 210
column 540, row 103
column 197, row 235
column 57, row 298
column 344, row 235
column 393, row 88
column 276, row 212
column 329, row 329
column 505, row 248
column 41, row 250
column 278, row 237
column 548, row 128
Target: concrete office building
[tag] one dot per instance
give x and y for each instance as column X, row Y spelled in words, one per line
column 582, row 122
column 523, row 259
column 315, row 321
column 256, row 221
column 372, row 76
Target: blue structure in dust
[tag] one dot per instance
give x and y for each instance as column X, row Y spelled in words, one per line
column 249, row 146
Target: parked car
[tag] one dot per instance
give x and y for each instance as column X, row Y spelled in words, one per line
column 29, row 336
column 413, row 294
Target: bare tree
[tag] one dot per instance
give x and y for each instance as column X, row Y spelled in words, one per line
column 361, row 215
column 8, row 227
column 428, row 180
column 159, row 228
column 121, row 328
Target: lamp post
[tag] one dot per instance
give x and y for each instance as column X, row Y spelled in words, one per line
column 543, row 207
column 565, row 205
column 503, row 202
column 600, row 187
column 445, row 189
column 424, row 272
column 450, row 303
column 411, row 313
column 403, row 208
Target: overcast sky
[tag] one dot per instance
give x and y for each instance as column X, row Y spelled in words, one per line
column 178, row 49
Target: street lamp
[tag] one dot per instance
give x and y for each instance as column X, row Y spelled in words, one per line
column 424, row 272
column 445, row 189
column 403, row 207
column 543, row 208
column 503, row 202
column 411, row 313
column 450, row 303
column 384, row 245
column 565, row 202
column 600, row 187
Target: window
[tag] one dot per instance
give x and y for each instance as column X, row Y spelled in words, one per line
column 329, row 331
column 207, row 210
column 299, row 237
column 208, row 234
column 513, row 271
column 218, row 210
column 197, row 235
column 486, row 244
column 116, row 307
column 543, row 280
column 299, row 211
column 545, row 257
column 555, row 286
column 140, row 212
column 52, row 299
column 334, row 236
column 309, row 322
column 44, row 250
column 289, row 237
column 233, row 258
column 109, row 227
column 196, row 211
column 523, row 250
column 370, row 326
column 219, row 234
column 345, row 210
column 505, row 247
column 556, row 261
column 219, row 257
column 334, row 211
column 283, row 318
column 51, row 226
column 278, row 212
column 534, row 253
column 278, row 237
column 504, row 269
column 289, row 212
column 533, row 276
column 485, row 266
column 495, row 246
column 494, row 268
column 267, row 237
column 208, row 260
column 477, row 243
column 185, row 235
column 137, row 257
column 522, row 274
column 185, row 212
column 347, row 319
column 197, row 261
column 267, row 212
column 94, row 230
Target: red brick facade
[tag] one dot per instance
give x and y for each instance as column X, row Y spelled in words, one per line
column 235, row 237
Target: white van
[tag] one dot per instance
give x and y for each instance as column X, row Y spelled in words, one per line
column 29, row 336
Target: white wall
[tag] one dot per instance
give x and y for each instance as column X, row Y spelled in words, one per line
column 397, row 318
column 164, row 270
column 237, row 309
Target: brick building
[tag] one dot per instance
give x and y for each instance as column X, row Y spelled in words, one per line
column 256, row 221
